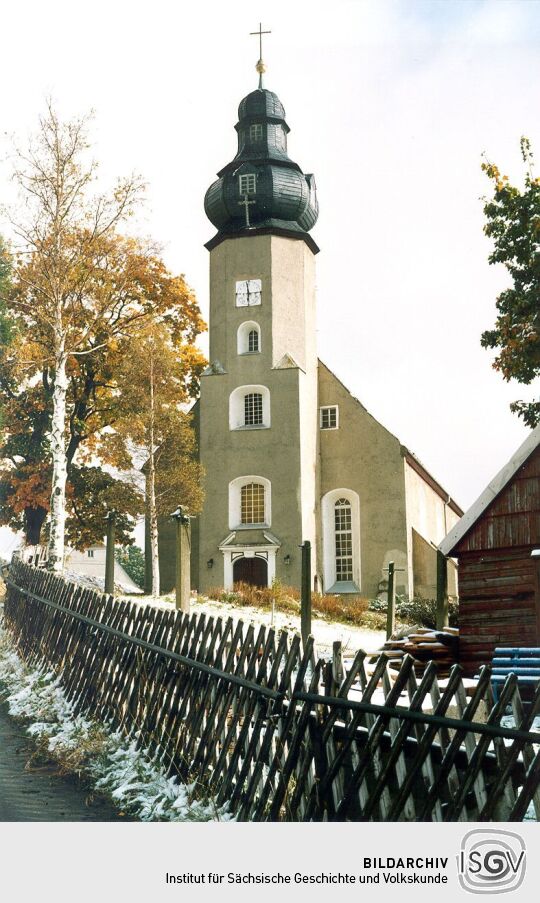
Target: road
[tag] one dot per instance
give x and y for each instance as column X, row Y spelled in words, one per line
column 36, row 793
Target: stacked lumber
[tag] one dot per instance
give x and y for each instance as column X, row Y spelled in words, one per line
column 425, row 645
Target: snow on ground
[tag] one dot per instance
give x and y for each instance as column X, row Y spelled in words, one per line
column 134, row 782
column 325, row 632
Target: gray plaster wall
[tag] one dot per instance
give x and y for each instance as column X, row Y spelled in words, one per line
column 364, row 456
column 286, row 452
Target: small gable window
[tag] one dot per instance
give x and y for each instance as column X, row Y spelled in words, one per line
column 329, row 418
column 248, row 183
column 248, row 292
column 256, row 132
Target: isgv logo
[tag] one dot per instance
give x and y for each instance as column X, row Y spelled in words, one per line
column 491, row 862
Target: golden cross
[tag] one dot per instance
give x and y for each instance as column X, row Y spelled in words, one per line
column 260, row 32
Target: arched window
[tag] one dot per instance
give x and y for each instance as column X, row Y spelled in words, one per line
column 252, row 504
column 253, row 340
column 249, row 408
column 249, row 502
column 248, row 338
column 253, row 409
column 343, row 539
column 340, row 509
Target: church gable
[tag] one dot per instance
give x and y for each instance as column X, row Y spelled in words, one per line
column 361, row 457
column 355, row 423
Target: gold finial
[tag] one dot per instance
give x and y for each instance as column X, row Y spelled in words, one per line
column 260, row 66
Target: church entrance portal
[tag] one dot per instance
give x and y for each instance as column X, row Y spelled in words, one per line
column 251, row 570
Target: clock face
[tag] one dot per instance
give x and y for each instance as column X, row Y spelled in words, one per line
column 248, row 292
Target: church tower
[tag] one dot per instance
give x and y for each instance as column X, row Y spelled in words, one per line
column 258, row 421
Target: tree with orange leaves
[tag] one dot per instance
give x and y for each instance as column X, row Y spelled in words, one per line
column 80, row 292
column 146, row 292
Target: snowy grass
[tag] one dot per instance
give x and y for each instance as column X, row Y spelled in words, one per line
column 77, row 744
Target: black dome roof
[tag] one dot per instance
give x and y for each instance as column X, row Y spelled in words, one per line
column 261, row 103
column 262, row 188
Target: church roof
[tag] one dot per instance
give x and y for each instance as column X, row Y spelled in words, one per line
column 262, row 190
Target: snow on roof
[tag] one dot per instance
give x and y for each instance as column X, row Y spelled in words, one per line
column 491, row 491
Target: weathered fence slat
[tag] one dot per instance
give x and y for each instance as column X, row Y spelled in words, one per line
column 270, row 731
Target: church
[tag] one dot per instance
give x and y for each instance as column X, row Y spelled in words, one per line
column 289, row 454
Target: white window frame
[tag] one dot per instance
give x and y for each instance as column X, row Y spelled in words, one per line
column 256, row 132
column 242, row 337
column 329, row 407
column 345, row 532
column 247, row 183
column 329, row 535
column 252, row 285
column 237, row 408
column 235, row 502
column 253, row 409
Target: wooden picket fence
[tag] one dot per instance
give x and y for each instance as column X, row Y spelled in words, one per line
column 272, row 731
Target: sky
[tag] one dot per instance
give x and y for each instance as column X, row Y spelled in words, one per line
column 391, row 105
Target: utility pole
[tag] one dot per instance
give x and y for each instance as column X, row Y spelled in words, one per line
column 109, row 552
column 183, row 560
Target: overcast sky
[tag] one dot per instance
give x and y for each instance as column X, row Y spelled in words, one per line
column 390, row 105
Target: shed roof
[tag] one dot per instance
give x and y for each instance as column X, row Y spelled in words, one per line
column 492, row 490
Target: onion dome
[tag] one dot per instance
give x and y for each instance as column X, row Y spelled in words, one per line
column 262, row 189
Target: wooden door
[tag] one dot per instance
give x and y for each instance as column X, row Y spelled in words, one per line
column 251, row 570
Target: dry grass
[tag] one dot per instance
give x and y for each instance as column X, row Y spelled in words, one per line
column 72, row 758
column 348, row 609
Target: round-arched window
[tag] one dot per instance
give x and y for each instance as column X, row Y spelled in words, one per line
column 252, row 504
column 253, row 409
column 248, row 338
column 253, row 340
column 343, row 539
column 249, row 408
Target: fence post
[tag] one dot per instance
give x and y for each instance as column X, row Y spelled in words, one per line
column 109, row 553
column 183, row 560
column 442, row 594
column 305, row 610
column 391, row 605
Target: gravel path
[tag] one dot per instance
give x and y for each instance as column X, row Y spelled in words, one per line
column 31, row 793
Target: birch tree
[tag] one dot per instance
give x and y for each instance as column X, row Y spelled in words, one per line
column 155, row 383
column 62, row 224
column 127, row 288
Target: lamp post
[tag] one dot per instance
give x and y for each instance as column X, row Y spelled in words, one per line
column 183, row 550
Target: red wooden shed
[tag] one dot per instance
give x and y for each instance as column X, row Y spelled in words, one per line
column 499, row 574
